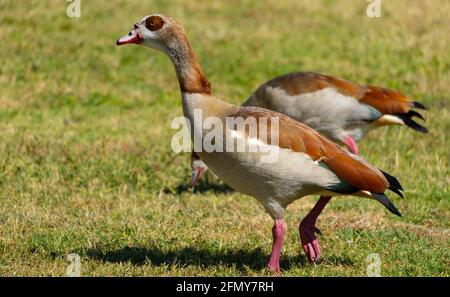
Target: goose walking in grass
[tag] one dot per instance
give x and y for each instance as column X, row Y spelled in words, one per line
column 307, row 162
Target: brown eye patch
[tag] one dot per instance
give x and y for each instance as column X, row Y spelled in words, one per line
column 154, row 23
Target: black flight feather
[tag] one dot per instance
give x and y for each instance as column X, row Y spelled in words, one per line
column 383, row 199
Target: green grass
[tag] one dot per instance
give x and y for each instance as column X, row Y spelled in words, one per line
column 85, row 158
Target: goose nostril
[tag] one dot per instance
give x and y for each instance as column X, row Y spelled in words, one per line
column 129, row 34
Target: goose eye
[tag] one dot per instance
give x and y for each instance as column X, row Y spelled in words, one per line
column 154, row 23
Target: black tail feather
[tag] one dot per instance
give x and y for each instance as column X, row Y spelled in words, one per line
column 411, row 123
column 394, row 184
column 383, row 199
column 413, row 113
column 393, row 181
column 397, row 191
column 419, row 105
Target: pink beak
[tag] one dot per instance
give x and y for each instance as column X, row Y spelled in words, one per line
column 132, row 37
column 197, row 174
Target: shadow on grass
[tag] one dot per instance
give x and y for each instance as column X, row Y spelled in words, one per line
column 240, row 259
column 337, row 260
column 202, row 187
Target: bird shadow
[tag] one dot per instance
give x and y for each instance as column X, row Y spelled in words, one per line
column 240, row 259
column 202, row 187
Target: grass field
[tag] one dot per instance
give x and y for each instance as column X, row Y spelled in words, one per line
column 85, row 160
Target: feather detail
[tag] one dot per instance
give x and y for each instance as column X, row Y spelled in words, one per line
column 300, row 138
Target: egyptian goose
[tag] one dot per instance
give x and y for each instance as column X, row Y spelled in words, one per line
column 307, row 163
column 341, row 110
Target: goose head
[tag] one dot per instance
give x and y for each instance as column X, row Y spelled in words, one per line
column 165, row 34
column 155, row 31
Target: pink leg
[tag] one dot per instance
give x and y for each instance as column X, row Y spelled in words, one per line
column 351, row 144
column 308, row 229
column 278, row 230
column 197, row 174
column 198, row 169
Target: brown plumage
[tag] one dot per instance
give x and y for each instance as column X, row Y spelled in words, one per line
column 388, row 102
column 298, row 137
column 385, row 100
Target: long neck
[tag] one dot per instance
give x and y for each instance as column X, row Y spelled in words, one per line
column 189, row 72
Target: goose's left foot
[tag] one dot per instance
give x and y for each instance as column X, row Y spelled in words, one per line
column 310, row 243
column 308, row 230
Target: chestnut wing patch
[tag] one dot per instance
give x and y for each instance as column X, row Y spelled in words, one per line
column 298, row 137
column 308, row 82
column 385, row 100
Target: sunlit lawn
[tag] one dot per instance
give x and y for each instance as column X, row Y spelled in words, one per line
column 85, row 160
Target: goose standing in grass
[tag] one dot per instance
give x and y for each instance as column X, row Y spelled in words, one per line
column 307, row 162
